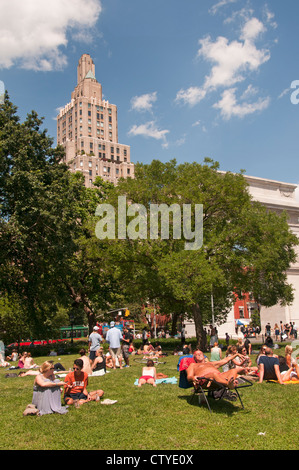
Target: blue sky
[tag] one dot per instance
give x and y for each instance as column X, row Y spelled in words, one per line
column 191, row 79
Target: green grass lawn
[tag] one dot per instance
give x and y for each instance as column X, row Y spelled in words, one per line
column 148, row 418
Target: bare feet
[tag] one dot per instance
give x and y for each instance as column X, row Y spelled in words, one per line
column 232, row 383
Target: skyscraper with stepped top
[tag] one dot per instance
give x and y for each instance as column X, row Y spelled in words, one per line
column 87, row 128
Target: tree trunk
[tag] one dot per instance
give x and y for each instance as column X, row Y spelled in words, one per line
column 199, row 331
column 174, row 324
column 91, row 318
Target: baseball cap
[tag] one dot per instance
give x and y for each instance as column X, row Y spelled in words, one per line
column 112, row 323
column 96, row 328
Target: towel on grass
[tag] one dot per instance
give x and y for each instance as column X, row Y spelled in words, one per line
column 168, row 380
column 288, row 382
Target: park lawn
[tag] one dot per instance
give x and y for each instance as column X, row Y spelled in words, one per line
column 148, row 418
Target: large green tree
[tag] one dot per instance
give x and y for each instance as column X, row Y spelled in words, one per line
column 245, row 247
column 49, row 255
column 42, row 212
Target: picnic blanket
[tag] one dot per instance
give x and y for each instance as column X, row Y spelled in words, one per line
column 168, row 380
column 288, row 382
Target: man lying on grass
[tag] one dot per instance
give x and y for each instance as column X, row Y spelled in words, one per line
column 209, row 370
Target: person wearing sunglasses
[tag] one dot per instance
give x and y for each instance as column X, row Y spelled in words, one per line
column 47, row 392
column 75, row 386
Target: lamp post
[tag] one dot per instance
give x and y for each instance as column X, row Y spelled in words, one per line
column 72, row 327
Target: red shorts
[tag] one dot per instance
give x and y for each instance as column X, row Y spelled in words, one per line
column 146, row 377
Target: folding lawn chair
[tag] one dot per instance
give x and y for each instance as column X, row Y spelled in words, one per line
column 209, row 388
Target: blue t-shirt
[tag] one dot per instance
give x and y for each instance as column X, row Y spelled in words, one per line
column 269, row 363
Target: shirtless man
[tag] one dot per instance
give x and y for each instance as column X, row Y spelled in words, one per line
column 200, row 368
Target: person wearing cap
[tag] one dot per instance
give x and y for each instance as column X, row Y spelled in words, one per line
column 114, row 338
column 94, row 343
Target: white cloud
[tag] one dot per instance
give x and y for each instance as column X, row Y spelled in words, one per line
column 143, row 102
column 233, row 59
column 34, row 33
column 191, row 96
column 229, row 107
column 284, row 92
column 270, row 17
column 252, row 29
column 150, row 129
column 232, row 62
column 214, row 9
column 250, row 91
column 181, row 141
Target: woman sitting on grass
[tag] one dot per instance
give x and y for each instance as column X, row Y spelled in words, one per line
column 28, row 362
column 149, row 374
column 46, row 391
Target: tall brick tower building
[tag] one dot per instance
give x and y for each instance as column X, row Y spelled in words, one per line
column 87, row 129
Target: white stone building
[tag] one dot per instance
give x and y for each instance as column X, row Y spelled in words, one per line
column 277, row 196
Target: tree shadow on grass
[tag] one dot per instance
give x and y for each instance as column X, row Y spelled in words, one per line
column 217, row 406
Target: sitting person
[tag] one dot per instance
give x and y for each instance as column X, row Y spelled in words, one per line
column 108, row 360
column 261, row 353
column 3, row 362
column 246, row 362
column 75, row 386
column 22, row 360
column 28, row 362
column 99, row 363
column 201, row 368
column 86, row 362
column 158, row 349
column 46, row 391
column 288, row 355
column 216, row 353
column 269, row 367
column 148, row 348
column 149, row 374
column 235, row 360
column 131, row 348
column 187, row 349
column 14, row 356
column 288, row 373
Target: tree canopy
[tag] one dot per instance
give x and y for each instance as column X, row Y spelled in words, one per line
column 245, row 247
